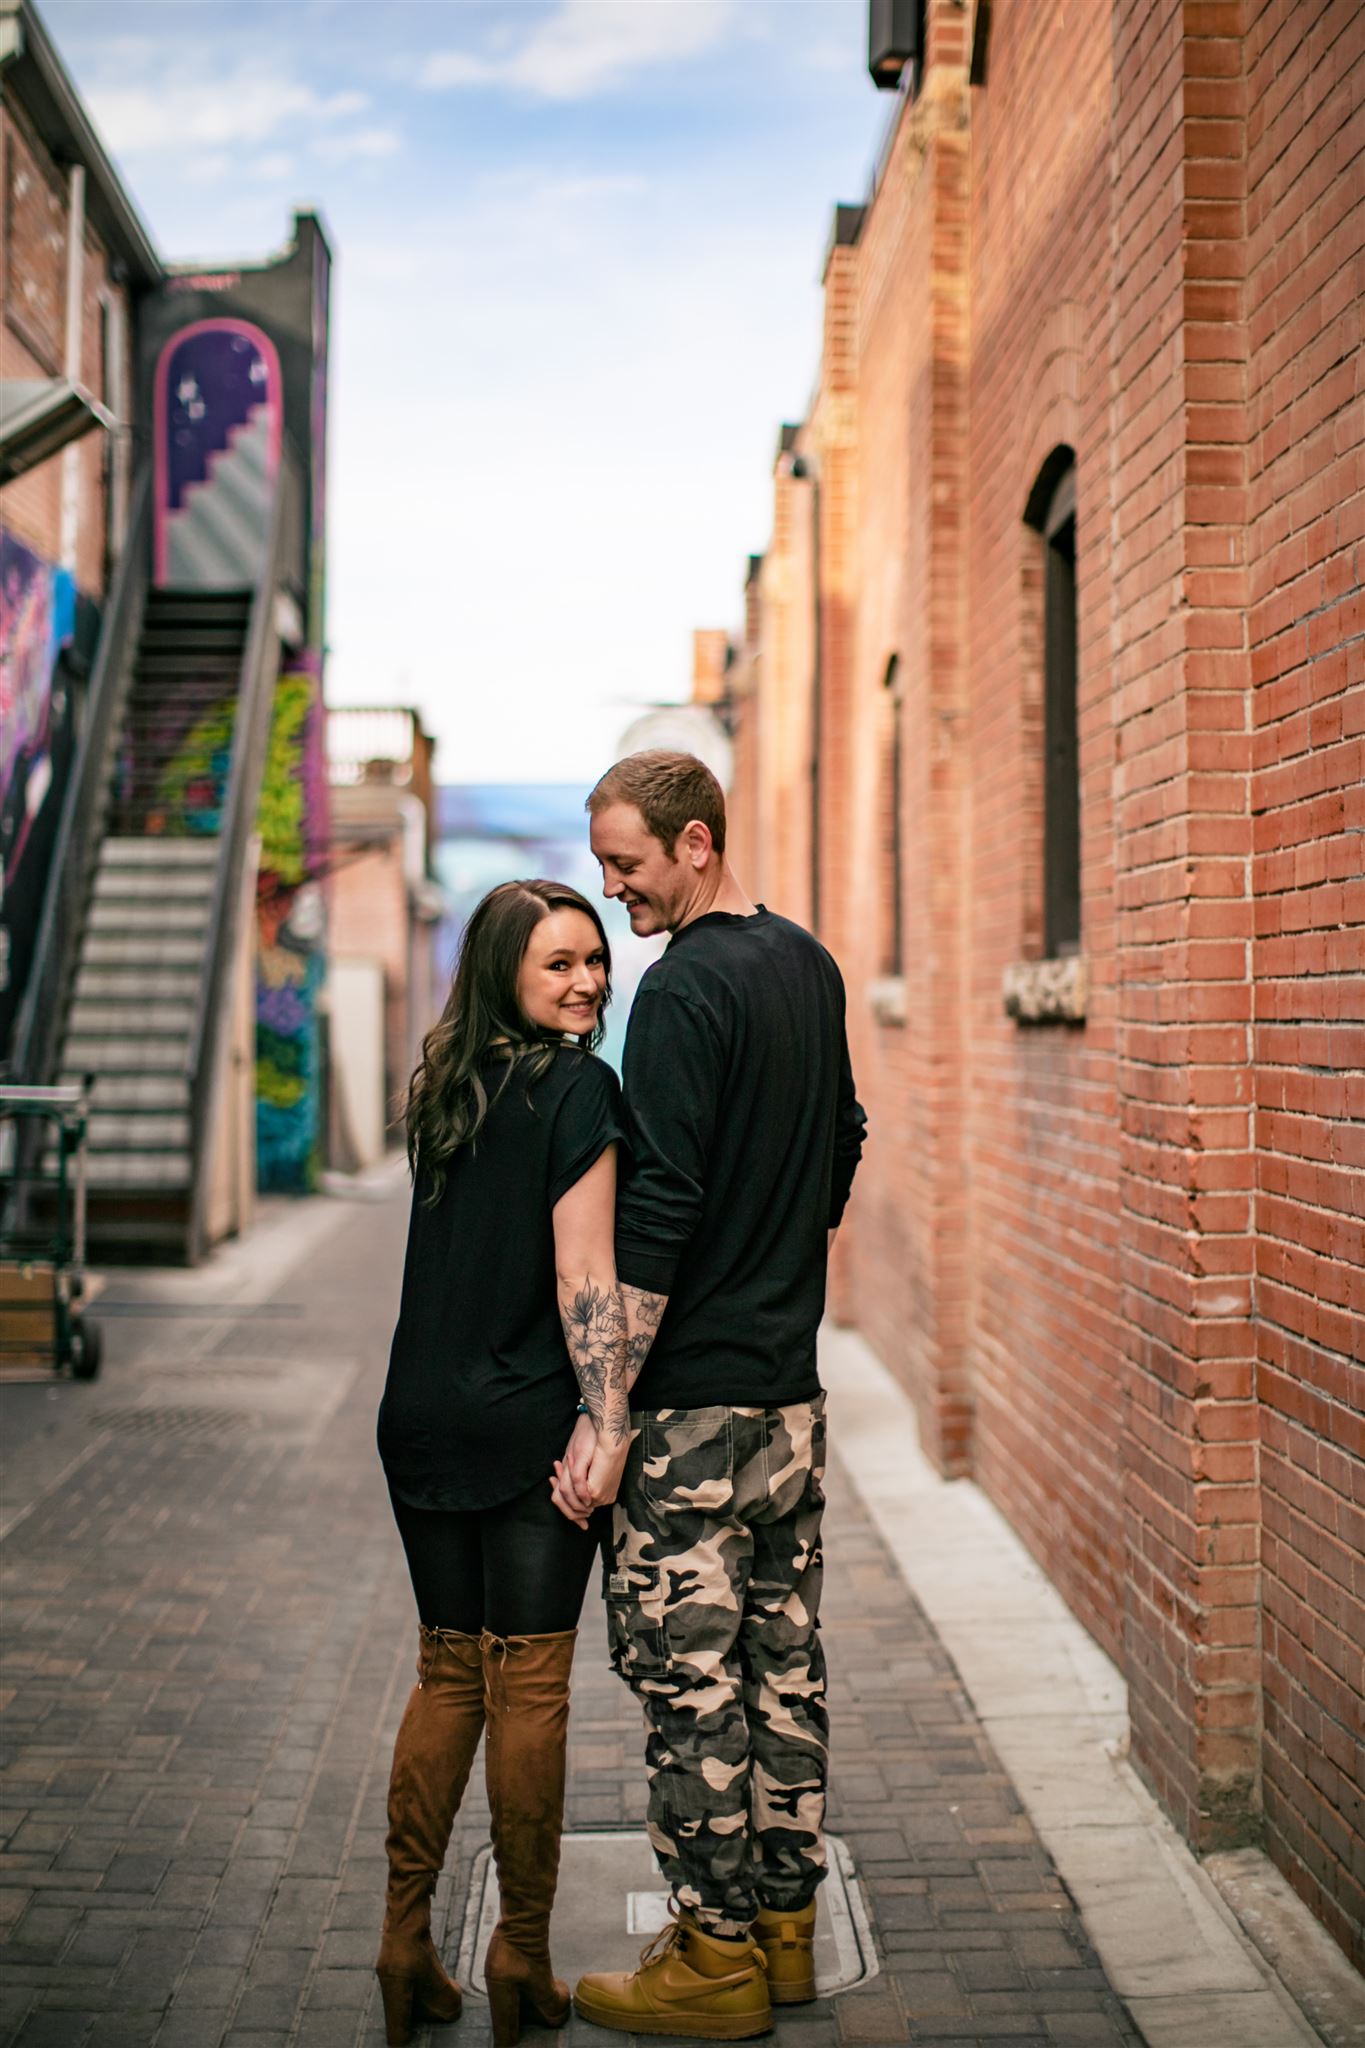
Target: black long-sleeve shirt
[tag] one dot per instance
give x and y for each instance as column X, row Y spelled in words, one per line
column 744, row 1134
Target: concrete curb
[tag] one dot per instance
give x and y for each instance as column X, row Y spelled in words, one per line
column 1055, row 1708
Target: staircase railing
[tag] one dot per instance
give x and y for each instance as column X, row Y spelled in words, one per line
column 85, row 807
column 251, row 735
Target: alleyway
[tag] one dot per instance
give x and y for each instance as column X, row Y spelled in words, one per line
column 209, row 1645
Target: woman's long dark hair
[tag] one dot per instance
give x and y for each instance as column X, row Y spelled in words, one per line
column 447, row 1099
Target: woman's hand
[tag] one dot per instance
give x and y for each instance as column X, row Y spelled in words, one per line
column 569, row 1488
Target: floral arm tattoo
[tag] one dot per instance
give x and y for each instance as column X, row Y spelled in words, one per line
column 595, row 1332
column 643, row 1315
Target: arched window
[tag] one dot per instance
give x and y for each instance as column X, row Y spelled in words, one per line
column 1052, row 514
column 891, row 892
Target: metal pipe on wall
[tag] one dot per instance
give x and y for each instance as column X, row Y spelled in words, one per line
column 71, row 366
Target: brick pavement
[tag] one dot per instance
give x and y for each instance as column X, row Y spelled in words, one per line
column 208, row 1644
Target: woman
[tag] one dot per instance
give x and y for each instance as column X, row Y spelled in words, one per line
column 510, row 1345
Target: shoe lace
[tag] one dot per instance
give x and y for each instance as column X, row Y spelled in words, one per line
column 664, row 1942
column 674, row 1935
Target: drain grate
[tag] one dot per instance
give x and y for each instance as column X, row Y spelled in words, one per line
column 187, row 1425
column 610, row 1893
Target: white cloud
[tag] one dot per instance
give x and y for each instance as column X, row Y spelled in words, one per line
column 176, row 113
column 359, row 142
column 208, row 169
column 383, row 263
column 570, row 448
column 589, row 46
column 531, row 191
column 274, row 165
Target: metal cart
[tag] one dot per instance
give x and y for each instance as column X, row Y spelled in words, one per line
column 42, row 1230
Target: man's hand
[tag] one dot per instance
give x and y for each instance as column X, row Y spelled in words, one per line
column 604, row 1474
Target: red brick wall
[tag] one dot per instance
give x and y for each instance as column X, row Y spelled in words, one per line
column 1188, row 1449
column 1043, row 1145
column 1305, row 69
column 781, row 875
column 33, row 262
column 1119, row 1265
column 903, row 1274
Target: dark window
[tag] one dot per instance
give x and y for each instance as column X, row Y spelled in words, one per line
column 1052, row 513
column 896, row 37
column 892, row 891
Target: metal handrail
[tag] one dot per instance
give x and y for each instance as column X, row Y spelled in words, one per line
column 85, row 805
column 251, row 734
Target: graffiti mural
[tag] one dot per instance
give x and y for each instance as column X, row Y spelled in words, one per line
column 290, row 935
column 37, row 623
column 218, row 421
column 191, row 790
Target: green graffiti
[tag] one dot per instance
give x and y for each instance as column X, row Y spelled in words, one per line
column 190, row 790
column 284, row 1091
column 288, row 1100
column 281, row 815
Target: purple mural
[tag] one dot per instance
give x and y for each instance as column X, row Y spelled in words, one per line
column 218, row 417
column 37, row 621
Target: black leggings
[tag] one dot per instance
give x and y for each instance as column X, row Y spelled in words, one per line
column 519, row 1569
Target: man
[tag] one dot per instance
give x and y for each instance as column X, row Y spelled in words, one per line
column 744, row 1134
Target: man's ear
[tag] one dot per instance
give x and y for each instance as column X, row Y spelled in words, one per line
column 696, row 839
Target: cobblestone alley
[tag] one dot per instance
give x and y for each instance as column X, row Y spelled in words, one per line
column 209, row 1644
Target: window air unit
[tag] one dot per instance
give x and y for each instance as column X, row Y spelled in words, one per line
column 895, row 34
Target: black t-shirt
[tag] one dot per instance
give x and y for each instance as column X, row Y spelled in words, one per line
column 744, row 1134
column 481, row 1397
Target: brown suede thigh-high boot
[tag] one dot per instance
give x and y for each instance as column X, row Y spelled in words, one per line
column 528, row 1718
column 432, row 1757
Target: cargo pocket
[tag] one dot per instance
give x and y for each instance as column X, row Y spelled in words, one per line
column 688, row 1461
column 636, row 1638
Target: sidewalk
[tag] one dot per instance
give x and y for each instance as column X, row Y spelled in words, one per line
column 209, row 1641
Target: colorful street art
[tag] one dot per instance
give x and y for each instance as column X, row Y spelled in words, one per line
column 290, row 936
column 37, row 620
column 191, row 787
column 218, row 422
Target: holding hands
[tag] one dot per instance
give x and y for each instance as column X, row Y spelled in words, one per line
column 589, row 1473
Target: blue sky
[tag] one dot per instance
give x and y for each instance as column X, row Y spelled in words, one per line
column 578, row 250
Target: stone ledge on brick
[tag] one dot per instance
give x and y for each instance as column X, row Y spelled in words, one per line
column 1046, row 991
column 886, row 999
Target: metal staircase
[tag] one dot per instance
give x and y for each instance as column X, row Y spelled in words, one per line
column 130, row 1019
column 131, row 975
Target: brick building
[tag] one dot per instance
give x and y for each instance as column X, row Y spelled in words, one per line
column 75, row 262
column 384, row 920
column 1049, row 709
column 162, row 586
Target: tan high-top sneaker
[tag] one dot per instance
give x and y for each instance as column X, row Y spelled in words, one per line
column 688, row 1984
column 787, row 1941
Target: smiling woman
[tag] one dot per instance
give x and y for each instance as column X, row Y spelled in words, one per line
column 510, row 1321
column 534, row 964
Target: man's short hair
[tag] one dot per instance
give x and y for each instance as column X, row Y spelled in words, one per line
column 668, row 790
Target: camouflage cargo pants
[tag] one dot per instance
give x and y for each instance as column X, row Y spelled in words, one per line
column 713, row 1595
